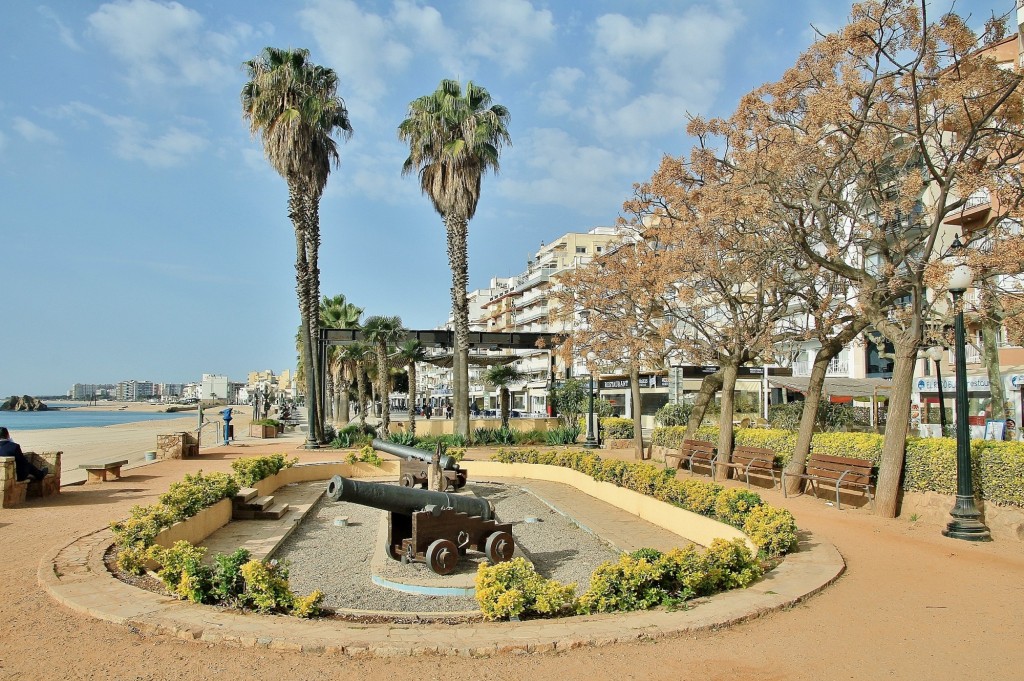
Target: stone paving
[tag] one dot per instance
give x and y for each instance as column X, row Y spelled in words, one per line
column 75, row 575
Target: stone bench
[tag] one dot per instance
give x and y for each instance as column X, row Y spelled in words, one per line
column 15, row 492
column 101, row 471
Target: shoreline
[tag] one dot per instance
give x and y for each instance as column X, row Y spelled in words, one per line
column 128, row 441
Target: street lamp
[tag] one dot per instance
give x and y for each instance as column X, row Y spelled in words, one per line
column 966, row 522
column 591, row 442
column 935, row 353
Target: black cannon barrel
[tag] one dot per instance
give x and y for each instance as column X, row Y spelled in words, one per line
column 404, row 500
column 406, row 452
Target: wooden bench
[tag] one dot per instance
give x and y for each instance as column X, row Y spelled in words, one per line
column 693, row 452
column 749, row 460
column 101, row 471
column 840, row 471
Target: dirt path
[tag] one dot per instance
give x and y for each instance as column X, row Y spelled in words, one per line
column 912, row 604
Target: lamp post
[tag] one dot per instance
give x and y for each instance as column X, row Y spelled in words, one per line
column 934, row 353
column 966, row 523
column 591, row 441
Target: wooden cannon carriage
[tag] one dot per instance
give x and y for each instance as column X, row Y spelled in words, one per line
column 415, row 462
column 430, row 527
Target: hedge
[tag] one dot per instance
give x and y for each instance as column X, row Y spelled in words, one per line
column 929, row 465
column 773, row 532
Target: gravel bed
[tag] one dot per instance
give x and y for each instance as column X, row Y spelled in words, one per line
column 337, row 560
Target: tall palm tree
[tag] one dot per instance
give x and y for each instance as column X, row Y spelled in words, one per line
column 383, row 332
column 338, row 313
column 503, row 375
column 293, row 105
column 454, row 137
column 358, row 353
column 410, row 352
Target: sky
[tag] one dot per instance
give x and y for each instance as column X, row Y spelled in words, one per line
column 144, row 236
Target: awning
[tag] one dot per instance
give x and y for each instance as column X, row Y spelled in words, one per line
column 844, row 387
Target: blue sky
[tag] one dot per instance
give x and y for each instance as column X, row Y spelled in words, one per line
column 143, row 236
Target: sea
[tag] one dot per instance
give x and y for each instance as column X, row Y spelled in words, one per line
column 66, row 416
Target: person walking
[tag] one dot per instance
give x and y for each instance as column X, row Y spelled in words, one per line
column 23, row 468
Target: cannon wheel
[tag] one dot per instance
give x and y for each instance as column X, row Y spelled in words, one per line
column 499, row 547
column 407, row 480
column 442, row 556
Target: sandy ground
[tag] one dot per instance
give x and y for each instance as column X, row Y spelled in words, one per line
column 912, row 605
column 129, row 441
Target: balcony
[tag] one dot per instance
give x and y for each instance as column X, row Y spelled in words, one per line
column 837, row 367
column 531, row 279
column 976, row 207
column 530, row 316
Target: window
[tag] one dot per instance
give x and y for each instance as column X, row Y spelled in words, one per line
column 599, row 249
column 581, row 249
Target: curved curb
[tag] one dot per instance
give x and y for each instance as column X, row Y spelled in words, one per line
column 76, row 576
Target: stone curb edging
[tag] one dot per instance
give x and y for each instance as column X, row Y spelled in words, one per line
column 75, row 576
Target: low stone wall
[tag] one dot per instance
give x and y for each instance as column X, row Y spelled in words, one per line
column 1005, row 522
column 198, row 527
column 436, row 426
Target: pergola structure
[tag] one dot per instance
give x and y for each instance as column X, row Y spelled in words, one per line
column 443, row 338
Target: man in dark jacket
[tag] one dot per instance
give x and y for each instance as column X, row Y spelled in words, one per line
column 24, row 469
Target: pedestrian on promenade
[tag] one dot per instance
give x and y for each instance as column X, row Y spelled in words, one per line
column 23, row 468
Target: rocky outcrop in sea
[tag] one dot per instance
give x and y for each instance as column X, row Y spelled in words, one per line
column 23, row 403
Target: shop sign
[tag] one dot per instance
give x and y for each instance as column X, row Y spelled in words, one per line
column 931, row 385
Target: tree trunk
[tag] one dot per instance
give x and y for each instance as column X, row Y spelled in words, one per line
column 343, row 402
column 458, row 260
column 412, row 397
column 383, row 389
column 634, row 396
column 312, row 234
column 890, row 468
column 729, row 371
column 990, row 353
column 829, row 349
column 295, row 212
column 708, row 387
column 361, row 394
column 503, row 400
column 329, row 389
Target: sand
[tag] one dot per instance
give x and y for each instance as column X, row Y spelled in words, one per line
column 128, row 441
column 912, row 605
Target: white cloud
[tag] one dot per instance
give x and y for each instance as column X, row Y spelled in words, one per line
column 508, row 31
column 651, row 71
column 558, row 96
column 360, row 46
column 564, row 172
column 134, row 141
column 32, row 132
column 164, row 43
column 63, row 32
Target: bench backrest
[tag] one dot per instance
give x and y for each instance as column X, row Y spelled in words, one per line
column 858, row 471
column 755, row 457
column 699, row 449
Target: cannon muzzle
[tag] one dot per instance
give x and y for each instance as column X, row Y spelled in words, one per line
column 404, row 500
column 448, row 463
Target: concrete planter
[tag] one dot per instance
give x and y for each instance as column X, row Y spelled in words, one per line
column 261, row 431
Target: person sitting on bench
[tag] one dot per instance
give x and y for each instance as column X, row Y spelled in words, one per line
column 24, row 469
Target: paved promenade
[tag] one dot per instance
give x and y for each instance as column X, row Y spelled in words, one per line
column 915, row 604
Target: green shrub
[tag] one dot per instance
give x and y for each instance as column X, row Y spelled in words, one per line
column 674, row 414
column 785, row 416
column 367, row 454
column 483, row 436
column 227, row 584
column 563, row 435
column 731, row 564
column 195, row 492
column 402, row 437
column 616, row 428
column 182, row 570
column 250, row 470
column 669, row 436
column 514, row 589
column 266, row 586
column 772, row 529
column 734, row 505
column 631, row 583
column 267, row 422
column 308, row 606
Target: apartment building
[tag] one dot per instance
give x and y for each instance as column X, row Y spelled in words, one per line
column 133, row 391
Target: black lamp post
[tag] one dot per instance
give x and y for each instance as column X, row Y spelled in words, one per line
column 935, row 354
column 591, row 442
column 966, row 522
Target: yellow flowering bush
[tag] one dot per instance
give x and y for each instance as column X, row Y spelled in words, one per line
column 513, row 589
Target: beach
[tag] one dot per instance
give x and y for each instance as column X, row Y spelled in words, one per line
column 128, row 441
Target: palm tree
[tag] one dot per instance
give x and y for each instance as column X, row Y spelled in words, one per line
column 503, row 375
column 293, row 105
column 358, row 353
column 454, row 138
column 410, row 352
column 338, row 313
column 383, row 332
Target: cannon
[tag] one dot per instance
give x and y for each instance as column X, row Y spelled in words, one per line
column 413, row 467
column 430, row 527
